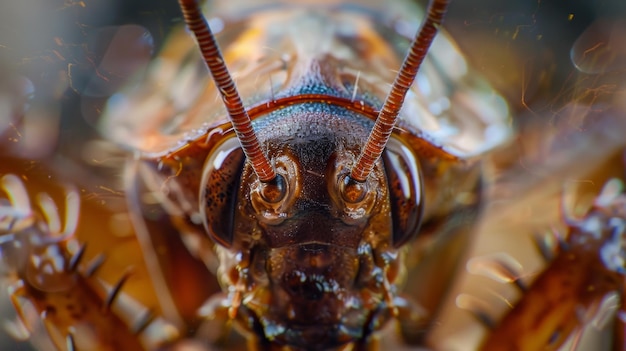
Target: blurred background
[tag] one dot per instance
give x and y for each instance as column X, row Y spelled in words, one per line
column 560, row 63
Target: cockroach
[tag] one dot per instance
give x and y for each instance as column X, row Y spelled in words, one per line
column 298, row 201
column 308, row 196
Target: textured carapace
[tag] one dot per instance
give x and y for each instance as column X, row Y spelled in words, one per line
column 307, row 255
column 310, row 254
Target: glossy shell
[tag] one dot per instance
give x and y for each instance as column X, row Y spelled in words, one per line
column 272, row 51
column 569, row 140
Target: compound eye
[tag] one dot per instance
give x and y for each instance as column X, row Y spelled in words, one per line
column 405, row 191
column 218, row 196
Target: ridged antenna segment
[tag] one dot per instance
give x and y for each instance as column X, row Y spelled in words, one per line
column 238, row 115
column 388, row 115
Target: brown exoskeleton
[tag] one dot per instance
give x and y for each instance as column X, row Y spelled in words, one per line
column 320, row 232
column 311, row 196
column 296, row 245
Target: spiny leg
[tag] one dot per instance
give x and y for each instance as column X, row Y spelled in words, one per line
column 577, row 286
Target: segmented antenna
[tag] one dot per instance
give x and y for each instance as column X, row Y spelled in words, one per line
column 238, row 115
column 386, row 119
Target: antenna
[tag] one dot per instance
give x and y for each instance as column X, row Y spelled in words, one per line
column 388, row 115
column 242, row 124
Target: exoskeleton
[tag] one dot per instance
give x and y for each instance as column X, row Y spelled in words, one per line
column 308, row 217
column 312, row 184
